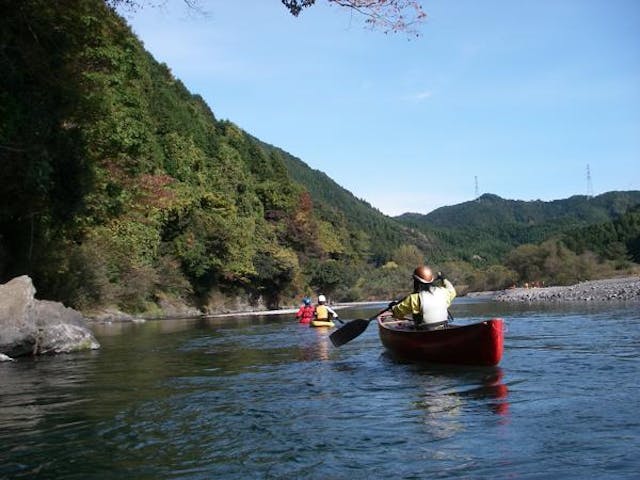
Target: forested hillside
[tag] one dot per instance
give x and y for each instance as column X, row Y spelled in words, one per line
column 385, row 232
column 120, row 187
column 615, row 240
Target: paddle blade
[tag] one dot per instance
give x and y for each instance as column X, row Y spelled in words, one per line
column 348, row 332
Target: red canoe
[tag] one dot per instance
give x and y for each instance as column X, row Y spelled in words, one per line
column 476, row 344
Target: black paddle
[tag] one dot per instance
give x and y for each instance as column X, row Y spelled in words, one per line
column 352, row 329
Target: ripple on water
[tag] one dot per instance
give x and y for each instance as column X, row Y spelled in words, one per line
column 277, row 400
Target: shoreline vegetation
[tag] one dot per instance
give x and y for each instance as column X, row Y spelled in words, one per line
column 623, row 289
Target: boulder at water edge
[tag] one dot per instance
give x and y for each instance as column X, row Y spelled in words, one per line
column 31, row 327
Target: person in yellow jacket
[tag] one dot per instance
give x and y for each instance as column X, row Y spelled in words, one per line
column 323, row 311
column 428, row 304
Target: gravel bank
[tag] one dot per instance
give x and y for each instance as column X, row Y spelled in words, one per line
column 614, row 289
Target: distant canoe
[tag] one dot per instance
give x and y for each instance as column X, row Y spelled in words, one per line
column 322, row 323
column 476, row 344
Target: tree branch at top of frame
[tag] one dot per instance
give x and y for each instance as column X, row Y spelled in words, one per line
column 386, row 15
column 389, row 16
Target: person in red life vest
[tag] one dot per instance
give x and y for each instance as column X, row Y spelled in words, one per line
column 324, row 311
column 306, row 311
column 428, row 304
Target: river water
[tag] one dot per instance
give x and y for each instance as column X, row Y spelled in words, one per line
column 265, row 398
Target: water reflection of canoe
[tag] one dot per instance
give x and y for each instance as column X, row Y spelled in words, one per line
column 476, row 344
column 322, row 323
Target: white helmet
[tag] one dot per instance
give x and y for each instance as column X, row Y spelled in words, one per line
column 322, row 298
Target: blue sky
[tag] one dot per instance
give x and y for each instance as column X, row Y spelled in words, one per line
column 522, row 94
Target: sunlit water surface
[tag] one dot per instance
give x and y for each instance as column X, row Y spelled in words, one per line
column 264, row 397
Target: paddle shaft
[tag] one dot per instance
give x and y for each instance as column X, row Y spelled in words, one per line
column 352, row 329
column 389, row 307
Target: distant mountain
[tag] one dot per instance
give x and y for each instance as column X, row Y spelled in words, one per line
column 490, row 226
column 490, row 209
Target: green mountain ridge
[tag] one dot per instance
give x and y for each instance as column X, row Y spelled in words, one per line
column 490, row 226
column 385, row 232
column 491, row 210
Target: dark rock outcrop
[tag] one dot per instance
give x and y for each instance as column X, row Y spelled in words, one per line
column 32, row 327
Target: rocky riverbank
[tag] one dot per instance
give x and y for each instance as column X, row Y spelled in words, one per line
column 625, row 289
column 29, row 326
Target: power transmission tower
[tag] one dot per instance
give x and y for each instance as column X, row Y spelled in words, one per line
column 589, row 184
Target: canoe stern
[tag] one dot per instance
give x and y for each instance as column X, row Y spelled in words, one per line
column 476, row 344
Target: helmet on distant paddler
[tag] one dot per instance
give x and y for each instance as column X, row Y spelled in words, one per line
column 306, row 301
column 423, row 274
column 322, row 298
